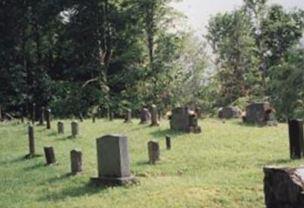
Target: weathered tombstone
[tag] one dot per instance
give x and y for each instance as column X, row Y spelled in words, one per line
column 31, row 139
column 296, row 138
column 76, row 161
column 49, row 155
column 183, row 119
column 145, row 116
column 128, row 116
column 48, row 118
column 33, row 113
column 113, row 161
column 60, row 127
column 260, row 113
column 75, row 129
column 153, row 151
column 168, row 142
column 283, row 187
column 41, row 119
column 154, row 116
column 229, row 112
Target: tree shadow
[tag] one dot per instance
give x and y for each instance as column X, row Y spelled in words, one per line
column 166, row 132
column 16, row 160
column 34, row 167
column 60, row 178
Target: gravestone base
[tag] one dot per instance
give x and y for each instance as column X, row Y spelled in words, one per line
column 107, row 181
column 31, row 156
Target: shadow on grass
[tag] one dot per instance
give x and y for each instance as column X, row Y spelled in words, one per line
column 70, row 192
column 143, row 163
column 16, row 160
column 240, row 123
column 166, row 132
column 34, row 167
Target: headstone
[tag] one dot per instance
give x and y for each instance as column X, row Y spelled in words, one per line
column 296, row 139
column 76, row 161
column 154, row 116
column 229, row 113
column 168, row 142
column 260, row 113
column 75, row 129
column 42, row 112
column 183, row 119
column 128, row 116
column 60, row 127
column 283, row 187
column 48, row 118
column 145, row 116
column 33, row 113
column 31, row 139
column 153, row 151
column 113, row 161
column 49, row 155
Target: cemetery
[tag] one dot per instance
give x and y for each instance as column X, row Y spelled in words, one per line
column 152, row 104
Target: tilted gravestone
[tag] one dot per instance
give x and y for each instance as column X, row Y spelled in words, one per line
column 41, row 119
column 260, row 113
column 48, row 118
column 60, row 127
column 283, row 187
column 128, row 116
column 154, row 116
column 229, row 113
column 183, row 119
column 296, row 139
column 75, row 129
column 153, row 152
column 145, row 116
column 49, row 155
column 113, row 161
column 76, row 161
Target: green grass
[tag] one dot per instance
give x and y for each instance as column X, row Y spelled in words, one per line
column 222, row 167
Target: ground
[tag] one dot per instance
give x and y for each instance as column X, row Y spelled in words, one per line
column 222, row 167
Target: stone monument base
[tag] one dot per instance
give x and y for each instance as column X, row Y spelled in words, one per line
column 107, row 181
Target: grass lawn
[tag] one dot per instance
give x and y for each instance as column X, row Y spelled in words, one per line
column 222, row 167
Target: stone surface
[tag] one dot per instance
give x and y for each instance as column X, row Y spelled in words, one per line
column 76, row 161
column 260, row 113
column 229, row 113
column 48, row 118
column 31, row 139
column 296, row 139
column 183, row 119
column 283, row 187
column 49, row 155
column 113, row 161
column 145, row 116
column 74, row 129
column 168, row 142
column 60, row 127
column 128, row 116
column 154, row 116
column 153, row 151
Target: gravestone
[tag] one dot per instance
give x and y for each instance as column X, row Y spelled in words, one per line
column 76, row 161
column 113, row 161
column 168, row 142
column 296, row 138
column 48, row 118
column 49, row 155
column 75, row 129
column 33, row 113
column 229, row 113
column 153, row 151
column 260, row 113
column 145, row 116
column 183, row 119
column 283, row 187
column 31, row 139
column 154, row 116
column 128, row 116
column 60, row 127
column 41, row 120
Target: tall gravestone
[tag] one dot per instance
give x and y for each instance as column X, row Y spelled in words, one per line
column 76, row 161
column 49, row 155
column 128, row 116
column 41, row 119
column 145, row 116
column 60, row 127
column 48, row 118
column 296, row 138
column 113, row 161
column 154, row 116
column 168, row 142
column 153, row 152
column 31, row 140
column 75, row 129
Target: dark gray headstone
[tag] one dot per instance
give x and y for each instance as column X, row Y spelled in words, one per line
column 283, row 187
column 168, row 142
column 183, row 119
column 49, row 155
column 154, row 116
column 113, row 161
column 153, row 151
column 31, row 138
column 75, row 129
column 260, row 113
column 48, row 118
column 128, row 116
column 60, row 127
column 76, row 161
column 145, row 116
column 296, row 138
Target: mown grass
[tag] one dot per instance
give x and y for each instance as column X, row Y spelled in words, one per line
column 222, row 167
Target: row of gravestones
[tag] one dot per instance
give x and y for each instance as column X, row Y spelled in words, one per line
column 112, row 156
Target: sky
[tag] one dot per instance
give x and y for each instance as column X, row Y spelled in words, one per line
column 199, row 11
